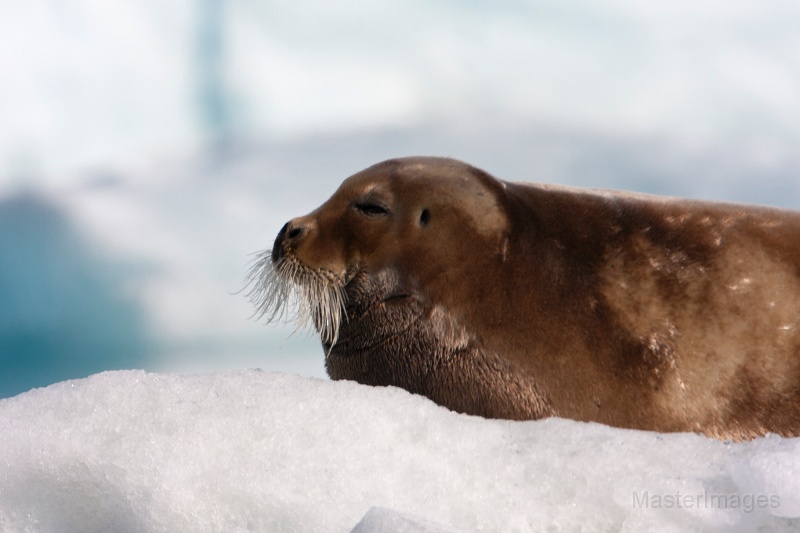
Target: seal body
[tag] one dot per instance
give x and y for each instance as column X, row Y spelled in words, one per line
column 523, row 301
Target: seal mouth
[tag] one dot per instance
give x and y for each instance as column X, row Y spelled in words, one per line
column 288, row 290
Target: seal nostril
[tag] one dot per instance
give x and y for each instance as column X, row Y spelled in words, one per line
column 277, row 248
column 289, row 232
column 282, row 232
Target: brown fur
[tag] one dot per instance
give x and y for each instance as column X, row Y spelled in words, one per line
column 523, row 301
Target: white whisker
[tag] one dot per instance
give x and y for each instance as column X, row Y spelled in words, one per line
column 293, row 292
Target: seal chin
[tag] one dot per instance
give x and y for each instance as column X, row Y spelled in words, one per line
column 377, row 310
column 289, row 290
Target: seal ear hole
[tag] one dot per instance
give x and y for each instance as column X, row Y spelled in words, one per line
column 424, row 217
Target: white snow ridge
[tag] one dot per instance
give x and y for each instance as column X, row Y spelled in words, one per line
column 260, row 452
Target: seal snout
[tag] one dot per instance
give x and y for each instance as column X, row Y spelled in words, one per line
column 289, row 233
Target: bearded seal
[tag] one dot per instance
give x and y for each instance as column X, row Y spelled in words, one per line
column 523, row 301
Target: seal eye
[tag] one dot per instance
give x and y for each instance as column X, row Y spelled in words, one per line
column 371, row 209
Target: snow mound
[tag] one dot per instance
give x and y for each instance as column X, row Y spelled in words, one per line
column 253, row 451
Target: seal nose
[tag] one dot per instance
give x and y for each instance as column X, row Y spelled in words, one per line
column 290, row 232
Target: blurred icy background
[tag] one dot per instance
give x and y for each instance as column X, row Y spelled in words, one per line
column 147, row 147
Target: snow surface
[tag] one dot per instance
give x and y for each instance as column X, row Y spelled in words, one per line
column 253, row 451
